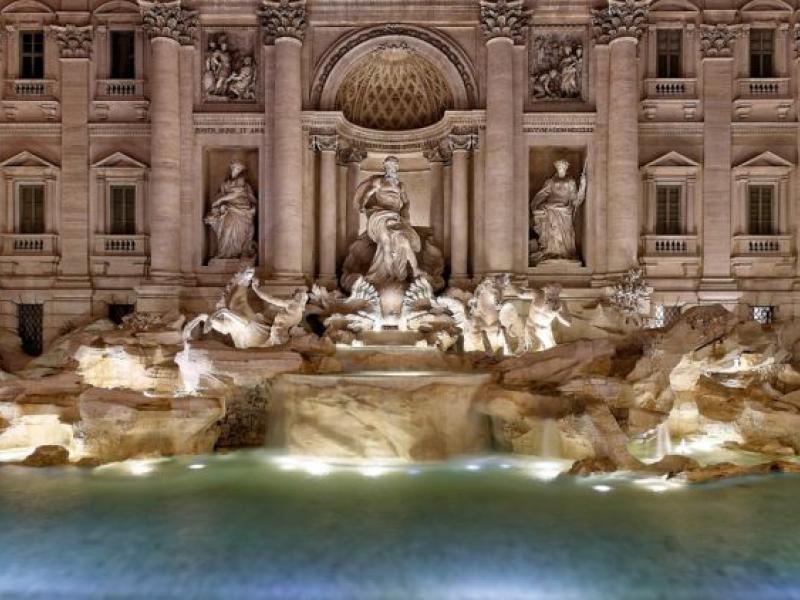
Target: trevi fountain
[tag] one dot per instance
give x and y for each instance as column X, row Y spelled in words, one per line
column 421, row 299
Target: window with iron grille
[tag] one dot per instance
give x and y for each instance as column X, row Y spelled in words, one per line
column 30, row 318
column 123, row 61
column 31, row 209
column 31, row 55
column 123, row 209
column 668, row 52
column 760, row 207
column 116, row 312
column 763, row 314
column 761, row 53
column 668, row 210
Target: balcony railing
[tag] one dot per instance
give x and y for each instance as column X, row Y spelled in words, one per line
column 763, row 88
column 121, row 245
column 670, row 245
column 762, row 245
column 671, row 88
column 26, row 89
column 120, row 88
column 23, row 244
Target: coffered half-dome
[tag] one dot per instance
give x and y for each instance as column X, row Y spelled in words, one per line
column 394, row 88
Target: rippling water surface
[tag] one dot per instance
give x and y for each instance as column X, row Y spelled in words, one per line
column 250, row 525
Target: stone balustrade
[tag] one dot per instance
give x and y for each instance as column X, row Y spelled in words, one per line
column 120, row 88
column 671, row 88
column 23, row 89
column 761, row 87
column 762, row 245
column 660, row 245
column 23, row 243
column 131, row 245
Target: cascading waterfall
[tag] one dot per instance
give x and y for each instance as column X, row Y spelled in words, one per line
column 551, row 439
column 663, row 441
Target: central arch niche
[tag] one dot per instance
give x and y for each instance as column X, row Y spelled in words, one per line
column 443, row 76
column 394, row 88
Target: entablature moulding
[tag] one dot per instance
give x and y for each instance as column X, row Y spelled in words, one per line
column 414, row 140
column 556, row 123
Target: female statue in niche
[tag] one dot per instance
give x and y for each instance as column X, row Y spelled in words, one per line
column 232, row 215
column 382, row 198
column 553, row 212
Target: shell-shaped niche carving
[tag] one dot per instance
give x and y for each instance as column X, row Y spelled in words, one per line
column 394, row 88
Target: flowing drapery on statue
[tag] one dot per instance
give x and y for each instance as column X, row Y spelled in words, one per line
column 232, row 216
column 554, row 209
column 391, row 250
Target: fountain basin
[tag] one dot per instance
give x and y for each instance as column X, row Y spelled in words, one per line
column 421, row 415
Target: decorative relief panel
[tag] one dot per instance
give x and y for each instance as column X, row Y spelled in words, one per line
column 230, row 70
column 625, row 18
column 556, row 66
column 74, row 42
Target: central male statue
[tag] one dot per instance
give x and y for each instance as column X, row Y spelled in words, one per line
column 391, row 250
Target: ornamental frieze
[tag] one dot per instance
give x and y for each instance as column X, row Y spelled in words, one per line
column 717, row 40
column 283, row 18
column 168, row 19
column 503, row 18
column 619, row 19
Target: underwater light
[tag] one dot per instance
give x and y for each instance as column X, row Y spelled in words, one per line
column 602, row 488
column 197, row 466
column 473, row 467
column 140, row 467
column 317, row 468
column 373, row 471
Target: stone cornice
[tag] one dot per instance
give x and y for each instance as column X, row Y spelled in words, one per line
column 168, row 19
column 504, row 18
column 620, row 19
column 716, row 41
column 558, row 123
column 283, row 18
column 74, row 42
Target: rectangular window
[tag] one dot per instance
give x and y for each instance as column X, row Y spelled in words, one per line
column 668, row 210
column 31, row 55
column 30, row 318
column 31, row 209
column 123, row 210
column 761, row 52
column 123, row 60
column 668, row 51
column 760, row 210
column 763, row 314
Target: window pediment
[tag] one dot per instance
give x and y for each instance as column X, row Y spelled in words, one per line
column 673, row 6
column 674, row 162
column 764, row 163
column 117, row 7
column 27, row 7
column 27, row 159
column 119, row 160
column 768, row 6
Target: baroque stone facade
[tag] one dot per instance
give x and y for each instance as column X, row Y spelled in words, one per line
column 119, row 123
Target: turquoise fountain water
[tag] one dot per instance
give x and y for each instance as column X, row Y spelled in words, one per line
column 257, row 525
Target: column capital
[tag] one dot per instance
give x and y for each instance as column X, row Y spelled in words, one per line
column 74, row 42
column 503, row 18
column 796, row 41
column 169, row 20
column 351, row 154
column 283, row 18
column 440, row 152
column 620, row 19
column 464, row 139
column 323, row 141
column 716, row 41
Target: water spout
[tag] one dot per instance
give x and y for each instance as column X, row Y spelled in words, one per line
column 551, row 439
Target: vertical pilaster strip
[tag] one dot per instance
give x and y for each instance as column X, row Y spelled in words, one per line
column 462, row 143
column 326, row 145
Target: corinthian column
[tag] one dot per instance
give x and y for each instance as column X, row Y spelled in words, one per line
column 75, row 44
column 620, row 25
column 284, row 25
column 503, row 22
column 462, row 143
column 168, row 26
column 326, row 145
column 716, row 44
column 438, row 156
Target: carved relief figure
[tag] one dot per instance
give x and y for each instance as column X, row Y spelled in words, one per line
column 553, row 212
column 290, row 313
column 545, row 309
column 226, row 74
column 557, row 68
column 232, row 215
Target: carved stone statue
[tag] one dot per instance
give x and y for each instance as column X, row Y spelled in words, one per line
column 234, row 316
column 232, row 215
column 226, row 74
column 390, row 250
column 557, row 68
column 546, row 307
column 553, row 212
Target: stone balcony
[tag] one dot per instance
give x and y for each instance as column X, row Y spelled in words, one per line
column 25, row 254
column 763, row 99
column 671, row 88
column 773, row 87
column 670, row 100
column 762, row 256
column 670, row 255
column 120, row 255
column 29, row 89
column 120, row 89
